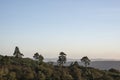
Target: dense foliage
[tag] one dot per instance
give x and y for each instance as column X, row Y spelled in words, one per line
column 12, row 68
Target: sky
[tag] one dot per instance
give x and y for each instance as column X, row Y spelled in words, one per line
column 77, row 27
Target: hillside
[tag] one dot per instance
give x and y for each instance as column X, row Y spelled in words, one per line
column 12, row 68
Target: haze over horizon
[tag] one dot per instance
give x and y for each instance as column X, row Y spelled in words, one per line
column 78, row 28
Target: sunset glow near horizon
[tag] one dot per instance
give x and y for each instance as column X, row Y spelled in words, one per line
column 77, row 27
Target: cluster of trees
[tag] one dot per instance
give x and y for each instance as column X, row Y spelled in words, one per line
column 18, row 68
column 61, row 59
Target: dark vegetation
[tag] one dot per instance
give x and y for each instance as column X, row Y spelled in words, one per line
column 18, row 68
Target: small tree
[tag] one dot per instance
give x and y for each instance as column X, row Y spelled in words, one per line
column 17, row 53
column 62, row 58
column 38, row 57
column 86, row 61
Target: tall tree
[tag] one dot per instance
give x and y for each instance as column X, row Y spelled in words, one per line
column 17, row 53
column 62, row 58
column 39, row 59
column 85, row 60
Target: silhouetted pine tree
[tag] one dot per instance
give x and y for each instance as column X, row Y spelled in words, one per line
column 17, row 53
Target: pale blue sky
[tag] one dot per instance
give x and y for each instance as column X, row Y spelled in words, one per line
column 77, row 27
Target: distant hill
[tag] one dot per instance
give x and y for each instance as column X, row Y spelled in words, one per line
column 105, row 65
column 102, row 64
